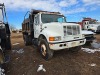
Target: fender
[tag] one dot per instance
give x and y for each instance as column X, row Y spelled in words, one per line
column 47, row 34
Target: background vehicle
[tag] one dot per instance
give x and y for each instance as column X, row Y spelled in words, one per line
column 90, row 24
column 5, row 43
column 50, row 32
column 89, row 35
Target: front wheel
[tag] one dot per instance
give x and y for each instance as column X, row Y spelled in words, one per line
column 46, row 52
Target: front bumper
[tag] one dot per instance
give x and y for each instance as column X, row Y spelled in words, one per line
column 67, row 44
column 89, row 38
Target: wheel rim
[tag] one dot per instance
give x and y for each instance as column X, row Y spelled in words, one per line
column 43, row 49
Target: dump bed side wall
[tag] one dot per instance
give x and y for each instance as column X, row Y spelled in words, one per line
column 28, row 26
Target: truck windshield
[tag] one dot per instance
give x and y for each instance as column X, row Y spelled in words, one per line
column 1, row 16
column 47, row 18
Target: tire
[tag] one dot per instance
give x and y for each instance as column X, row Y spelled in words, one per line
column 45, row 51
column 27, row 40
column 8, row 43
column 75, row 49
column 1, row 58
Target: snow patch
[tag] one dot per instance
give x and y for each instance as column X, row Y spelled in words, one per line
column 2, row 71
column 40, row 68
column 95, row 44
column 17, row 58
column 93, row 64
column 20, row 51
column 16, row 43
column 90, row 50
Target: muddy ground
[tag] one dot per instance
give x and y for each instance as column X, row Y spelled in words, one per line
column 63, row 63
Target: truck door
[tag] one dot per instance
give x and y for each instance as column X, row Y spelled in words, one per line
column 36, row 26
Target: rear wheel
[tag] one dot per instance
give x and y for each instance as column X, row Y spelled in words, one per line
column 46, row 52
column 75, row 49
column 27, row 40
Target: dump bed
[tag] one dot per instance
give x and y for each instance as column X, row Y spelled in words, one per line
column 40, row 11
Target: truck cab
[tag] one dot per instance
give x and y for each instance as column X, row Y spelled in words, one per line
column 51, row 32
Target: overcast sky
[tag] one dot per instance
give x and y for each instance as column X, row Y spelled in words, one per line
column 74, row 10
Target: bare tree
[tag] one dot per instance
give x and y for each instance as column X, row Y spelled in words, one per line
column 12, row 27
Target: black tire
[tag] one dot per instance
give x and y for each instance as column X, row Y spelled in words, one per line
column 8, row 43
column 75, row 49
column 45, row 51
column 1, row 57
column 27, row 40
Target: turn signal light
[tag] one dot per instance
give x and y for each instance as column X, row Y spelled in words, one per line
column 57, row 38
column 51, row 38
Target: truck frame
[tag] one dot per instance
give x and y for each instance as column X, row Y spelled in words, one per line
column 50, row 32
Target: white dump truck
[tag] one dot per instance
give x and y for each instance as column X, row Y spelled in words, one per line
column 91, row 24
column 50, row 32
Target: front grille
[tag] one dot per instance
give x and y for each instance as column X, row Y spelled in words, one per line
column 71, row 30
column 89, row 35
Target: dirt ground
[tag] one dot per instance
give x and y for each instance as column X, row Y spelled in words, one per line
column 63, row 62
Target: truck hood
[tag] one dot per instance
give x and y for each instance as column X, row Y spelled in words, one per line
column 58, row 23
column 56, row 27
column 85, row 32
column 94, row 25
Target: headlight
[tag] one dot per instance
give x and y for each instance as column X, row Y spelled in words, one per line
column 58, row 38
